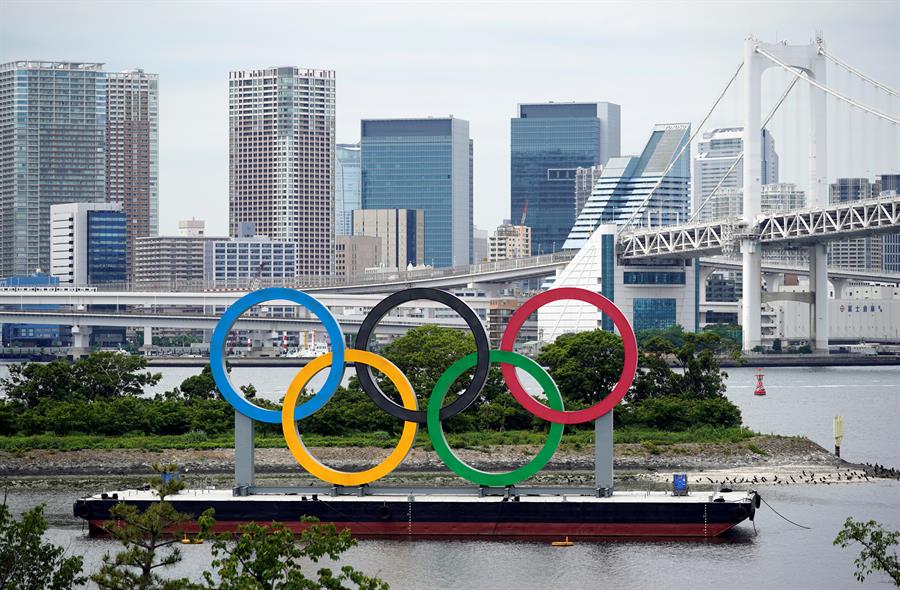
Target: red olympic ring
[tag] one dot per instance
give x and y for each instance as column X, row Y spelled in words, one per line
column 629, row 368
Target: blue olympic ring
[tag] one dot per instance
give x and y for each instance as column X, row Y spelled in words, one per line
column 217, row 354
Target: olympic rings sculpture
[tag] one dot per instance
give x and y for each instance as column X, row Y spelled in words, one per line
column 435, row 413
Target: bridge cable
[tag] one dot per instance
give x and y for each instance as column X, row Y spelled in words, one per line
column 853, row 70
column 740, row 156
column 827, row 90
column 671, row 165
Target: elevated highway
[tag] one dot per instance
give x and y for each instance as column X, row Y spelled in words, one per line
column 349, row 323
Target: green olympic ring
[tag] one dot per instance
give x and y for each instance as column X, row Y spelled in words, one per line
column 439, row 439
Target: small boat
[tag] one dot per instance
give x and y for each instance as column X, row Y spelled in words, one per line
column 566, row 543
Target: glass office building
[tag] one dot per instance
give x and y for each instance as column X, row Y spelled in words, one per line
column 423, row 164
column 52, row 150
column 626, row 182
column 238, row 262
column 106, row 247
column 88, row 243
column 347, row 187
column 549, row 142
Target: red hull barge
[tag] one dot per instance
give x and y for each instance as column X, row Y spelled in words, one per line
column 437, row 515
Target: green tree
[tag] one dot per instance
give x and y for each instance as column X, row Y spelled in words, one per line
column 585, row 365
column 266, row 557
column 730, row 332
column 28, row 383
column 149, row 538
column 106, row 375
column 425, row 352
column 100, row 375
column 201, row 386
column 27, row 562
column 674, row 334
column 878, row 553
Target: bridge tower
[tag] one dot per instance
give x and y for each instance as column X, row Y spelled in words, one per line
column 808, row 59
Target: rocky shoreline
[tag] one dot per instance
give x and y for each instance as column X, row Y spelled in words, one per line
column 771, row 457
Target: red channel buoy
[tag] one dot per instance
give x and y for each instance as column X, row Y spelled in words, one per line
column 760, row 390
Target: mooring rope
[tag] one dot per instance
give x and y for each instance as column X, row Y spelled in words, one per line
column 781, row 515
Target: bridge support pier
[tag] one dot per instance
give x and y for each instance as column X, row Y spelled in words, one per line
column 148, row 340
column 81, row 341
column 840, row 285
column 751, row 317
column 818, row 308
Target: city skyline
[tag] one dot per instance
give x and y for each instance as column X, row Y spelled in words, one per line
column 481, row 81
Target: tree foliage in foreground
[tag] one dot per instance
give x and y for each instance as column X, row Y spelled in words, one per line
column 149, row 538
column 878, row 552
column 259, row 557
column 29, row 563
column 268, row 557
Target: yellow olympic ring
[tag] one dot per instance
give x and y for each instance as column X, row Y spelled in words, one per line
column 310, row 463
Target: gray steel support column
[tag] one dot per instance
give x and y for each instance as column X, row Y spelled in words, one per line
column 817, row 196
column 752, row 134
column 603, row 453
column 751, row 304
column 818, row 308
column 244, row 451
column 750, row 249
column 81, row 341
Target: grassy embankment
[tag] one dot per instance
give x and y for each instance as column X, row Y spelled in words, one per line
column 572, row 440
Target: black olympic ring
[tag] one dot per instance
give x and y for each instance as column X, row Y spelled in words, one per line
column 482, row 347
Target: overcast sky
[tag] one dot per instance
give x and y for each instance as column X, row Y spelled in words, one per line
column 662, row 61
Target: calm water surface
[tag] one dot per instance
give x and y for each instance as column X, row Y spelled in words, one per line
column 780, row 556
column 800, row 401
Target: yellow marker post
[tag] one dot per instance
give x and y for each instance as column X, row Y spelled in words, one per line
column 838, row 434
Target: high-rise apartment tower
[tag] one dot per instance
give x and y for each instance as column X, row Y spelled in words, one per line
column 52, row 151
column 132, row 153
column 281, row 154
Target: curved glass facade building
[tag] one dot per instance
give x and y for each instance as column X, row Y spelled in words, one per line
column 626, row 181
